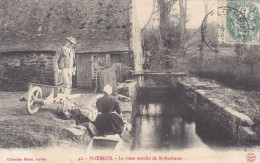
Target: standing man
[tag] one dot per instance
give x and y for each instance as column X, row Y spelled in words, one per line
column 64, row 62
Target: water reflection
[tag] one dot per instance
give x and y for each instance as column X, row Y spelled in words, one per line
column 150, row 109
column 164, row 126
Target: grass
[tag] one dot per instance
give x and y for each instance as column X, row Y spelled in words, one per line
column 241, row 102
column 246, row 102
column 19, row 129
column 40, row 130
column 230, row 71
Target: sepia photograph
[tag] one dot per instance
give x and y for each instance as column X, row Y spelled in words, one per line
column 129, row 81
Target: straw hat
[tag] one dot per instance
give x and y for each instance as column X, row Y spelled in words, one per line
column 72, row 40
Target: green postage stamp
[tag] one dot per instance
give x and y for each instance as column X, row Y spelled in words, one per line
column 238, row 21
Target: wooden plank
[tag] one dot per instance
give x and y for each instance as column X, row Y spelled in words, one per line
column 155, row 87
column 178, row 74
column 84, row 84
column 84, row 71
column 158, row 73
column 108, row 76
column 40, row 85
column 46, row 89
column 108, row 60
column 119, row 70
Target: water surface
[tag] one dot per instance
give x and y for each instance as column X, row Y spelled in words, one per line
column 163, row 124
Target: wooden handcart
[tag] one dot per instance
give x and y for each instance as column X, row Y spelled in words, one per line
column 40, row 94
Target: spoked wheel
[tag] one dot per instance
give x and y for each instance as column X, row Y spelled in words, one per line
column 33, row 94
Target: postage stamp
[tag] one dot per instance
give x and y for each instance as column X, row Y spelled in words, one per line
column 224, row 32
column 238, row 21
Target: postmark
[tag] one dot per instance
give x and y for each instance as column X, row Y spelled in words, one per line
column 213, row 36
column 250, row 157
column 241, row 21
column 237, row 22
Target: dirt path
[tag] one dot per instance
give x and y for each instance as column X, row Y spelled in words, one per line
column 45, row 128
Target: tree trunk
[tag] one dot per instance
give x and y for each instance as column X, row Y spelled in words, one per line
column 163, row 16
column 202, row 43
column 165, row 7
column 182, row 25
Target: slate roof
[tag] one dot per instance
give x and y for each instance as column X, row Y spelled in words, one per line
column 43, row 25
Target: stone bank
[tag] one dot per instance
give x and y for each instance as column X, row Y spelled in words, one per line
column 217, row 107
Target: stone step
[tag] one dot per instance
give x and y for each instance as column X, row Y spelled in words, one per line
column 74, row 131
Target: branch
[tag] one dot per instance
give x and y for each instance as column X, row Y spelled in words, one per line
column 150, row 18
column 170, row 4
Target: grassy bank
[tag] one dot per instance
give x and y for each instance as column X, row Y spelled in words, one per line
column 19, row 129
column 239, row 73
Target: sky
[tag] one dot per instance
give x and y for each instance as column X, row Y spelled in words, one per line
column 195, row 11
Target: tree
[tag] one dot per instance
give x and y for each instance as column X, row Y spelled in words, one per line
column 150, row 18
column 165, row 7
column 167, row 48
column 205, row 27
column 183, row 21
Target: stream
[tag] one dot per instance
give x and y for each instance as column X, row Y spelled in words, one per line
column 163, row 124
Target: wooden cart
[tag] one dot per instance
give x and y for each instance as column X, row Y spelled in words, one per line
column 40, row 94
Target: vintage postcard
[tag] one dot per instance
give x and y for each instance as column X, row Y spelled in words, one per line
column 129, row 81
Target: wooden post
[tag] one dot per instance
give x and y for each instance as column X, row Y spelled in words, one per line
column 173, row 81
column 108, row 76
column 108, row 60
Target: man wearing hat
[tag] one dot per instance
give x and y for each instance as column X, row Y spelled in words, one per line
column 64, row 62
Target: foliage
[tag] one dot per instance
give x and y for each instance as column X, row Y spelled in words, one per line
column 234, row 65
column 238, row 71
column 162, row 45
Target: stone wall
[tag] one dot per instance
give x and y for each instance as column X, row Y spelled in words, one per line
column 215, row 108
column 216, row 113
column 19, row 68
column 131, row 90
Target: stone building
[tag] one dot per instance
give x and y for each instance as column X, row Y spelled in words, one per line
column 32, row 30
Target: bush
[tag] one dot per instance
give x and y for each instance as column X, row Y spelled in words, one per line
column 233, row 71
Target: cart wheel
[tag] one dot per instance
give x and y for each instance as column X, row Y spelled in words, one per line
column 34, row 93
